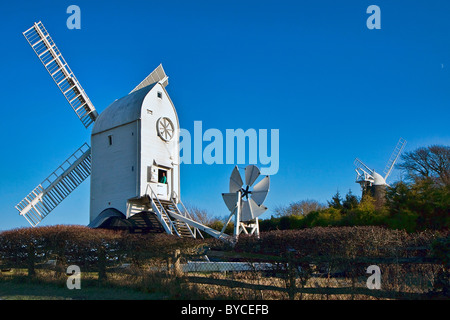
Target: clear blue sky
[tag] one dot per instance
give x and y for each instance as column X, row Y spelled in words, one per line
column 312, row 69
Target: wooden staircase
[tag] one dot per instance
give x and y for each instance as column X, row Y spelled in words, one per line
column 146, row 222
column 180, row 228
column 162, row 211
column 172, row 219
column 183, row 229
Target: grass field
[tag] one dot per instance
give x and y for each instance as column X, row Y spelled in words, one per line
column 15, row 285
column 49, row 285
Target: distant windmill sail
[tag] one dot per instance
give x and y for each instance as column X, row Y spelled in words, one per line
column 369, row 178
column 52, row 59
column 394, row 157
column 157, row 75
column 360, row 165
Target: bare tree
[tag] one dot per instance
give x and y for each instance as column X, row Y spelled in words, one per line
column 302, row 207
column 431, row 162
column 200, row 215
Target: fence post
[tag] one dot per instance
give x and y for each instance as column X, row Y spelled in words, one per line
column 441, row 252
column 31, row 259
column 291, row 274
column 176, row 263
column 102, row 264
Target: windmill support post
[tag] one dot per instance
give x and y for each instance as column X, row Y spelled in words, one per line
column 237, row 218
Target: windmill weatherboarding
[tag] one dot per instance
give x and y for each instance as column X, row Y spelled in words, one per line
column 371, row 181
column 133, row 161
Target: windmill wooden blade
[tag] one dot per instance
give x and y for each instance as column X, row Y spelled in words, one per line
column 394, row 157
column 260, row 191
column 256, row 209
column 53, row 190
column 235, row 180
column 157, row 75
column 250, row 210
column 360, row 165
column 251, row 174
column 230, row 200
column 246, row 213
column 52, row 59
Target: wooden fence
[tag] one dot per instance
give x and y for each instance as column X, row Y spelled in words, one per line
column 291, row 287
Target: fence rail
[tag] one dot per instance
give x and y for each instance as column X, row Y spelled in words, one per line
column 322, row 291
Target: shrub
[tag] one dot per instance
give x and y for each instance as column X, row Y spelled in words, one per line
column 441, row 251
column 90, row 249
column 339, row 242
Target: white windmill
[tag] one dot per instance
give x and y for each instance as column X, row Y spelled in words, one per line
column 134, row 161
column 374, row 182
column 246, row 203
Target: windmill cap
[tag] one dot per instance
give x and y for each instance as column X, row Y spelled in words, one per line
column 121, row 111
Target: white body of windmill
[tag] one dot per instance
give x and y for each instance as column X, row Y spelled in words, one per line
column 368, row 178
column 134, row 159
column 134, row 146
column 246, row 202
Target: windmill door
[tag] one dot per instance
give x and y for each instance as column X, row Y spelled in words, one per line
column 160, row 181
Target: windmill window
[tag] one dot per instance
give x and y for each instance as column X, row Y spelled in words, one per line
column 162, row 176
column 159, row 94
column 110, row 140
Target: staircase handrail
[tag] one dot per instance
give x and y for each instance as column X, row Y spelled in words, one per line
column 168, row 228
column 187, row 215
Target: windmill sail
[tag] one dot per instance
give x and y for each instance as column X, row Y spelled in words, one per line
column 157, row 75
column 394, row 157
column 50, row 56
column 260, row 191
column 360, row 165
column 236, row 182
column 53, row 190
column 250, row 210
column 251, row 174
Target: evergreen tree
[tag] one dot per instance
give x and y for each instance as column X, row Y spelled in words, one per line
column 351, row 202
column 336, row 201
